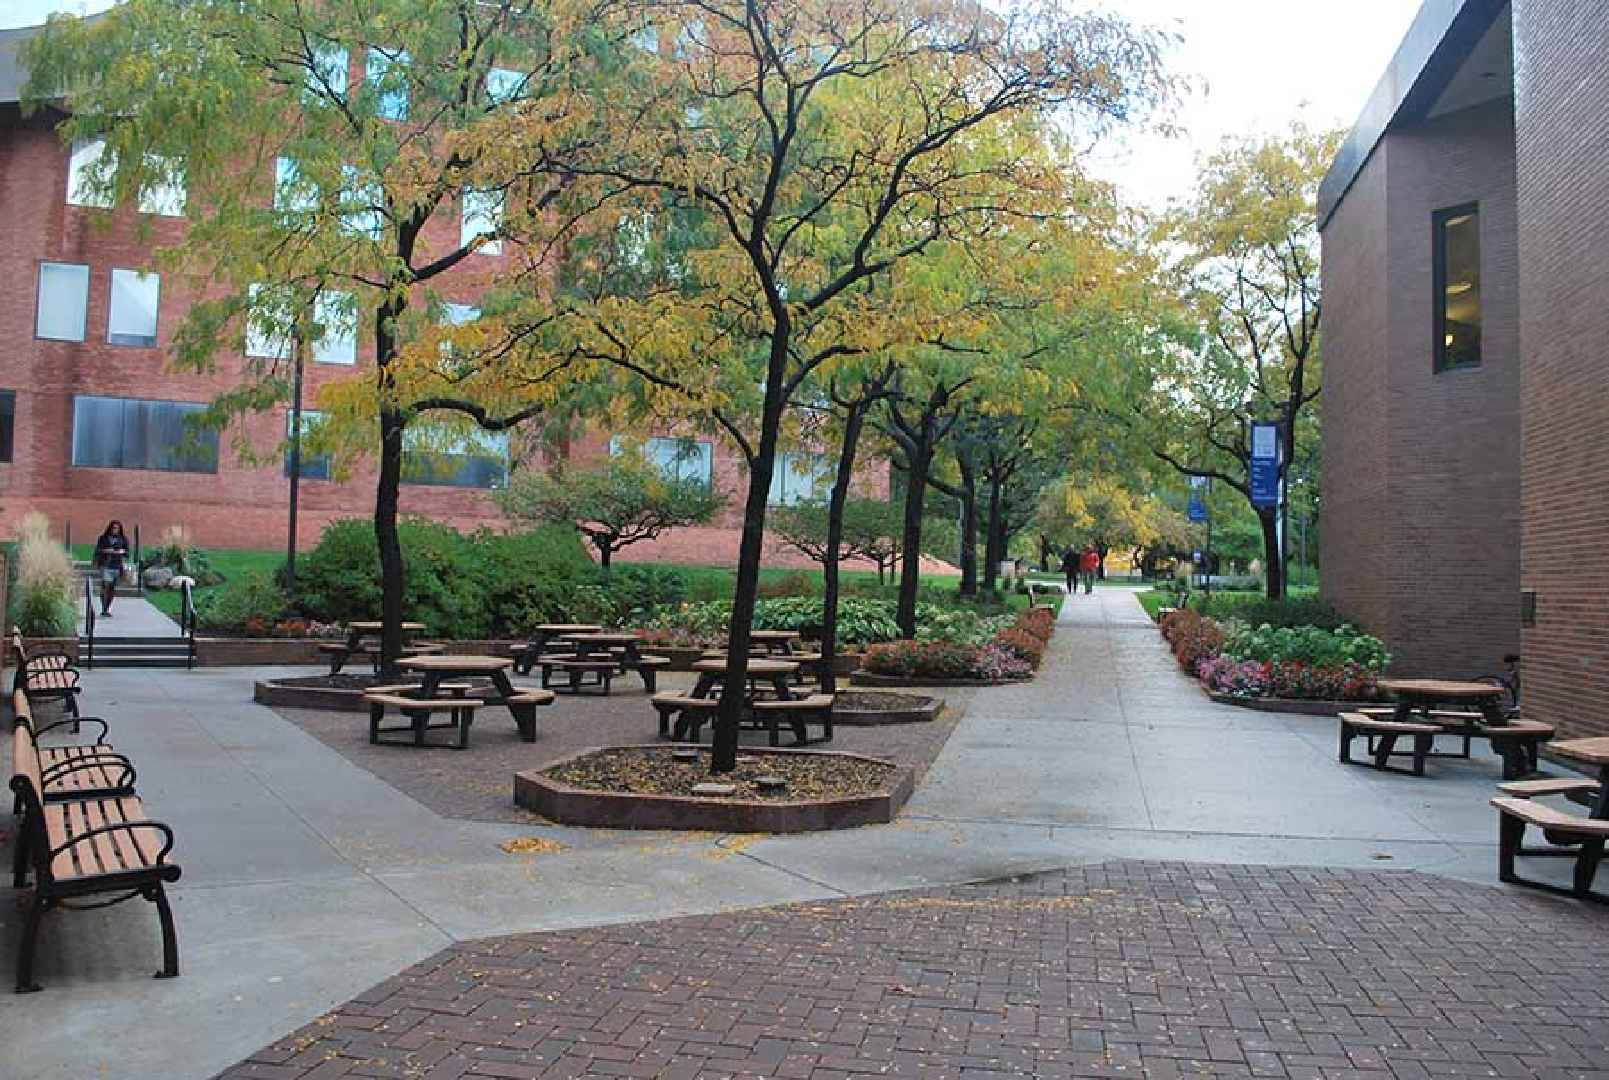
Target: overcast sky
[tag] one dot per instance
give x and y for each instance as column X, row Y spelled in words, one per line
column 1259, row 65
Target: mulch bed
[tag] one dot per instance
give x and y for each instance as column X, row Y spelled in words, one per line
column 342, row 681
column 477, row 783
column 879, row 702
column 652, row 771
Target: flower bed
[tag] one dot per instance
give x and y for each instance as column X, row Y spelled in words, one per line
column 1303, row 663
column 1012, row 653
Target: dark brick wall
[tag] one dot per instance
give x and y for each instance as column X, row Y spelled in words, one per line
column 1562, row 114
column 1422, row 468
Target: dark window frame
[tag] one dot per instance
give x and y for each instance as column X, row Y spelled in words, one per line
column 309, row 467
column 1441, row 361
column 8, row 425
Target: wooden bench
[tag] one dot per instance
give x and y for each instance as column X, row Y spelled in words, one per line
column 1514, row 814
column 50, row 676
column 815, row 709
column 1527, row 736
column 689, row 713
column 86, row 846
column 602, row 669
column 50, row 755
column 89, row 773
column 1386, row 732
column 340, row 652
column 648, row 667
column 1557, row 785
column 460, row 709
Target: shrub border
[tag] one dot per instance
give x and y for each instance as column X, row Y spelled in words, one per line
column 867, row 678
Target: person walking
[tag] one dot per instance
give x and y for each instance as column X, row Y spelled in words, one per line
column 1088, row 563
column 110, row 552
column 1069, row 566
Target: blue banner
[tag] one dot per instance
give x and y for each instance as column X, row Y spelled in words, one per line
column 1265, row 464
column 1198, row 509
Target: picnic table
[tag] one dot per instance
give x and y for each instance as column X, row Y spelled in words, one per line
column 526, row 655
column 363, row 639
column 622, row 647
column 433, row 670
column 776, row 642
column 1424, row 697
column 1594, row 752
column 766, row 713
column 713, row 673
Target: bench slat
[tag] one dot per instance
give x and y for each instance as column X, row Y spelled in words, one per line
column 1522, row 789
column 1544, row 816
column 433, row 704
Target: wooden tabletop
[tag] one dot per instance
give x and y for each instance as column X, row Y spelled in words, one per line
column 468, row 665
column 774, row 635
column 569, row 628
column 1441, row 689
column 756, row 666
column 600, row 638
column 1592, row 751
column 376, row 627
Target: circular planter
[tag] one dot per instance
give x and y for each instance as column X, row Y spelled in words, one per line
column 867, row 678
column 898, row 709
column 567, row 804
column 299, row 694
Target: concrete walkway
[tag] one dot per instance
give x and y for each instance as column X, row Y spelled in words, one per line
column 307, row 879
column 132, row 616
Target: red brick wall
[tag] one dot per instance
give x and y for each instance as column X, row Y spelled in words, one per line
column 1561, row 105
column 1421, row 525
column 241, row 505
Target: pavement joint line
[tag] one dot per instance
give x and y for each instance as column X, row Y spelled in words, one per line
column 1123, row 711
column 1025, row 823
column 792, row 873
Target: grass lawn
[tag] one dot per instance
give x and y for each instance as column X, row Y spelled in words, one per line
column 231, row 563
column 1152, row 599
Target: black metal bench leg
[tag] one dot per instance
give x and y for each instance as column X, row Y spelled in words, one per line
column 525, row 720
column 1347, row 735
column 376, row 713
column 1586, row 865
column 170, row 939
column 1421, row 750
column 19, row 858
column 1510, row 832
column 25, row 948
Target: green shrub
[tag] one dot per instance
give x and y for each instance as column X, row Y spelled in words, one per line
column 175, row 552
column 251, row 604
column 1256, row 609
column 530, row 577
column 1342, row 647
column 44, row 597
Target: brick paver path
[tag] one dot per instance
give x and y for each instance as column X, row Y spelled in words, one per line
column 1120, row 970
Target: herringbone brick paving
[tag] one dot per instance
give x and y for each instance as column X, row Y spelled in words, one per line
column 1120, row 970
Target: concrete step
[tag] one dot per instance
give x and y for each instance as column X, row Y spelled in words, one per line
column 132, row 651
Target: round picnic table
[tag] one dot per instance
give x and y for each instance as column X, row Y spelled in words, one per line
column 1426, row 695
column 374, row 626
column 434, row 669
column 776, row 672
column 1594, row 751
column 525, row 656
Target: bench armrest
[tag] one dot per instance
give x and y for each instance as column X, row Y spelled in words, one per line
column 85, row 763
column 120, row 826
column 100, row 740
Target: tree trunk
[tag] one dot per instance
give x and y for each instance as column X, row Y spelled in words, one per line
column 835, row 534
column 605, row 553
column 969, row 527
column 1268, row 517
column 387, row 487
column 920, row 459
column 993, row 544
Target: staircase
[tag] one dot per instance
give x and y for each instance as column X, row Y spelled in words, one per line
column 87, row 572
column 135, row 652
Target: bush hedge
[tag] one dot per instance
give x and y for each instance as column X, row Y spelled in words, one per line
column 1013, row 652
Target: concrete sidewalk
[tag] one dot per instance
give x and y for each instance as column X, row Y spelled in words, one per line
column 307, row 879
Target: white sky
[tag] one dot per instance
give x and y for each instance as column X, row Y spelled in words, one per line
column 1259, row 65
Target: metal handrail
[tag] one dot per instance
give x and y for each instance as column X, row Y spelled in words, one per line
column 187, row 622
column 89, row 624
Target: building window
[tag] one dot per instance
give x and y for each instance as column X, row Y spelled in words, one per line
column 335, row 313
column 473, row 459
column 1458, row 287
column 131, row 318
column 291, row 193
column 268, row 323
column 503, row 85
column 387, row 75
column 363, row 203
column 313, row 466
column 165, row 194
column 678, row 459
column 8, row 423
column 326, row 75
column 128, row 433
column 85, row 161
column 797, row 478
column 483, row 216
column 63, row 301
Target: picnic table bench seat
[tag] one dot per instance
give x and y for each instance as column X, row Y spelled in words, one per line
column 85, row 843
column 419, row 710
column 798, row 712
column 671, row 706
column 1387, row 732
column 1560, row 827
column 603, row 669
column 1555, row 785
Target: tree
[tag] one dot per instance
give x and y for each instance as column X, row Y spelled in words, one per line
column 457, row 101
column 1249, row 350
column 615, row 504
column 1102, row 512
column 792, row 156
column 870, row 531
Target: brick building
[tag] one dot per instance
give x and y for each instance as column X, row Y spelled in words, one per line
column 1465, row 406
column 91, row 412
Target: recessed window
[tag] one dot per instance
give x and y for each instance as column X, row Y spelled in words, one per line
column 678, row 459
column 268, row 323
column 326, row 76
column 474, row 459
column 1458, row 287
column 85, row 160
column 646, row 39
column 130, row 433
column 63, row 301
column 797, row 478
column 387, row 74
column 336, row 315
column 503, row 85
column 8, row 422
column 292, row 194
column 362, row 202
column 483, row 215
column 311, row 466
column 165, row 192
column 131, row 318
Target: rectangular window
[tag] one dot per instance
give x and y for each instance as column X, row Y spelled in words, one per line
column 312, row 466
column 128, row 433
column 362, row 202
column 1458, row 287
column 646, row 39
column 84, row 161
column 483, row 215
column 678, row 459
column 291, row 193
column 336, row 315
column 131, row 319
column 8, row 422
column 503, row 85
column 388, row 76
column 63, row 301
column 268, row 323
column 797, row 478
column 475, row 459
column 165, row 194
column 326, row 77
